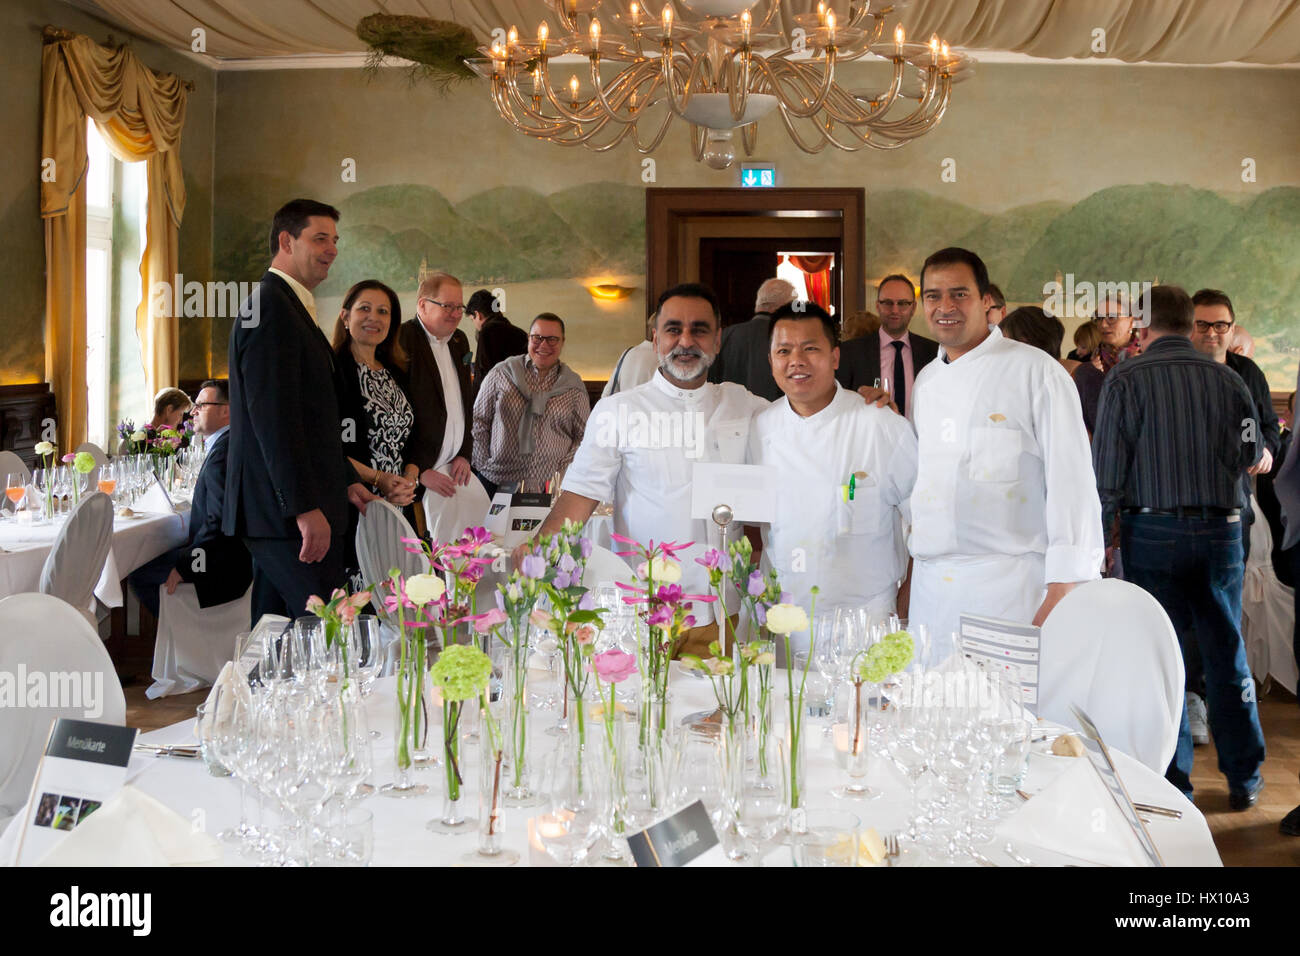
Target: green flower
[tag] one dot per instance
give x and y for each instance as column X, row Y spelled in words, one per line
column 461, row 671
column 892, row 654
column 84, row 463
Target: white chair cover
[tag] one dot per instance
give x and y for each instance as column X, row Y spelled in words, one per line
column 1109, row 648
column 447, row 518
column 194, row 642
column 11, row 464
column 76, row 561
column 380, row 548
column 92, row 479
column 1267, row 610
column 42, row 635
column 605, row 567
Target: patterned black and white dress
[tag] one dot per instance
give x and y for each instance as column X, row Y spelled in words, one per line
column 391, row 417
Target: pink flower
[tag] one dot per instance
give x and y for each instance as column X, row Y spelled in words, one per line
column 315, row 605
column 347, row 613
column 485, row 622
column 584, row 634
column 360, row 599
column 670, row 548
column 614, row 666
column 662, row 616
column 539, row 618
column 68, row 458
column 713, row 559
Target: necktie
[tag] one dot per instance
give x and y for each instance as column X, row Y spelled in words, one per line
column 900, row 378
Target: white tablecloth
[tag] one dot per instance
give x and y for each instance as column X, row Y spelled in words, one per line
column 401, row 838
column 136, row 541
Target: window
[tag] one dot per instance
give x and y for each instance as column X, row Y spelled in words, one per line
column 115, row 240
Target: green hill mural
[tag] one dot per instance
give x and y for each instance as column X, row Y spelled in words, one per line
column 1193, row 237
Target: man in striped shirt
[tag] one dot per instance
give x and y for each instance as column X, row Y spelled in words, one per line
column 1175, row 432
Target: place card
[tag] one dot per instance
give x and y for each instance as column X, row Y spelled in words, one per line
column 675, row 841
column 1099, row 755
column 155, row 500
column 84, row 764
column 749, row 490
column 1005, row 645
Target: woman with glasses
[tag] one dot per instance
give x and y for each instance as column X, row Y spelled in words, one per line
column 1118, row 341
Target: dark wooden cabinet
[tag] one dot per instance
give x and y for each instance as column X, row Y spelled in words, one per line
column 23, row 409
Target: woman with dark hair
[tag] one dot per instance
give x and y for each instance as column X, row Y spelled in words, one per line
column 370, row 379
column 1031, row 325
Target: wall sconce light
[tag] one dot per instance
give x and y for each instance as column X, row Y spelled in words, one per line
column 609, row 292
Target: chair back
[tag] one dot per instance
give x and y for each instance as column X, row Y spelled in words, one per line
column 605, row 567
column 76, row 561
column 1109, row 648
column 45, row 636
column 447, row 518
column 380, row 549
column 92, row 479
column 11, row 464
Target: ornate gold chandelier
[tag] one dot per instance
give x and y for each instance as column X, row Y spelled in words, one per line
column 720, row 65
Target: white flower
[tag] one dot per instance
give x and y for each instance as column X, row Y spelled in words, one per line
column 786, row 619
column 664, row 570
column 44, row 448
column 139, row 435
column 424, row 588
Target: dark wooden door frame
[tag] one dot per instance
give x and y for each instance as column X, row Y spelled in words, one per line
column 666, row 210
column 812, row 244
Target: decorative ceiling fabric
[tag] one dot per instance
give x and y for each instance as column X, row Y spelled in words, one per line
column 1153, row 31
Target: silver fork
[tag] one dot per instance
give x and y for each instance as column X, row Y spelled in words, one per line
column 891, row 849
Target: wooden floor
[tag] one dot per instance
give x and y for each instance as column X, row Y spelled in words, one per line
column 1249, row 838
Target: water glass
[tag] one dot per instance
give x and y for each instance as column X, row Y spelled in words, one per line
column 824, row 838
column 1011, row 755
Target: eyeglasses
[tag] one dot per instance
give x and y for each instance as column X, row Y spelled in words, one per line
column 1219, row 327
column 551, row 340
column 895, row 303
column 450, row 307
column 1100, row 319
column 198, row 405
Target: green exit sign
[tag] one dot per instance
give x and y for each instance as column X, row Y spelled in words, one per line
column 758, row 175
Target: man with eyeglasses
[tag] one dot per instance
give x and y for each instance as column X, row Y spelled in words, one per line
column 217, row 565
column 530, row 413
column 441, row 442
column 894, row 356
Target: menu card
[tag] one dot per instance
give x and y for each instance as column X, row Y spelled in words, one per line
column 676, row 841
column 1005, row 645
column 1099, row 755
column 83, row 766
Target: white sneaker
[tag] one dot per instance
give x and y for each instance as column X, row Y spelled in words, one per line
column 1198, row 719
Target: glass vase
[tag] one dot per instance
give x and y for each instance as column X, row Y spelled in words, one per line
column 492, row 782
column 794, row 776
column 406, row 732
column 851, row 736
column 455, row 816
column 615, row 824
column 521, row 787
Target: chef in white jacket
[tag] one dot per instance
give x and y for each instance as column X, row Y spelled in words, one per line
column 844, row 470
column 1005, row 514
column 641, row 446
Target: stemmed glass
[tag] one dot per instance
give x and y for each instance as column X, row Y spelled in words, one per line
column 16, row 490
column 108, row 479
column 909, row 749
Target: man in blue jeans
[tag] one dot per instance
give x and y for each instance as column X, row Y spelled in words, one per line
column 1175, row 432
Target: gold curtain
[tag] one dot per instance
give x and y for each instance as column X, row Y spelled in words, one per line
column 141, row 114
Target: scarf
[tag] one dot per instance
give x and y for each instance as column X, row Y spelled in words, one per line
column 1110, row 357
column 516, row 370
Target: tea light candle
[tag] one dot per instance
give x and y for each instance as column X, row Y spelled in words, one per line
column 841, row 739
column 547, row 826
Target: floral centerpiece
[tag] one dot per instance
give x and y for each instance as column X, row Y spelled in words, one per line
column 461, row 674
column 463, row 565
column 786, row 619
column 424, row 598
column 81, row 463
column 875, row 665
column 611, row 668
column 557, row 562
column 47, row 451
column 665, row 616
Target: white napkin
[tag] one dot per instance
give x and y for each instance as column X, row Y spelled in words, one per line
column 1077, row 816
column 153, row 501
column 232, row 685
column 134, row 829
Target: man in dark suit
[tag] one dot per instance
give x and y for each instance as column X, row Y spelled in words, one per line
column 218, row 566
column 439, row 385
column 1287, row 486
column 893, row 354
column 742, row 357
column 288, row 483
column 498, row 338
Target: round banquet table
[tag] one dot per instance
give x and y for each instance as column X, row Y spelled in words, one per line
column 24, row 546
column 401, row 837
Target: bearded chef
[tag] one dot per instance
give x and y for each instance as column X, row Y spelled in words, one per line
column 847, row 467
column 1005, row 514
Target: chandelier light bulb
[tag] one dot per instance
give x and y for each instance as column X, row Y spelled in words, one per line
column 512, row 37
column 934, row 48
column 573, row 87
column 830, row 25
column 636, row 15
column 899, row 37
column 595, row 34
column 668, row 20
column 542, row 31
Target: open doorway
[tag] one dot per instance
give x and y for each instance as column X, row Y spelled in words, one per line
column 733, row 239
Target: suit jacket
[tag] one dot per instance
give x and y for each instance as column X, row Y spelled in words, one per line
column 742, row 357
column 498, row 340
column 1286, row 483
column 424, row 387
column 227, row 568
column 286, row 449
column 860, row 360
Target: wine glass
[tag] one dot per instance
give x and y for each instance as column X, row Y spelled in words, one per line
column 16, row 490
column 108, row 476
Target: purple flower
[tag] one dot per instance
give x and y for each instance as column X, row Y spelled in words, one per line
column 760, row 612
column 501, row 600
column 755, row 586
column 584, row 548
column 670, row 593
column 661, row 616
column 533, row 567
column 587, row 602
column 713, row 559
column 567, row 564
column 562, row 580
